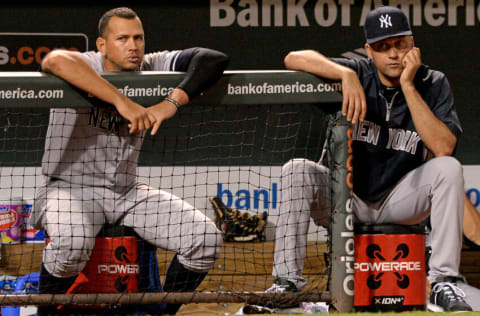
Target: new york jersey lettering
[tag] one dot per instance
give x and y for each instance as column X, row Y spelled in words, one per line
column 105, row 119
column 404, row 140
column 398, row 139
column 366, row 132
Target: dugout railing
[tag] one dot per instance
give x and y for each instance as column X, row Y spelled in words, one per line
column 25, row 98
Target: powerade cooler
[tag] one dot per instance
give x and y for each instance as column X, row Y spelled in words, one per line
column 114, row 264
column 121, row 262
column 389, row 268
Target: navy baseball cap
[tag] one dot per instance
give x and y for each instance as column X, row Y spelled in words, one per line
column 385, row 22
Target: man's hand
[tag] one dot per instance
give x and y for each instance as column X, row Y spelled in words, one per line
column 166, row 109
column 140, row 119
column 411, row 62
column 354, row 104
column 162, row 111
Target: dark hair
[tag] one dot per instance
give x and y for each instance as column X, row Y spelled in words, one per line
column 123, row 12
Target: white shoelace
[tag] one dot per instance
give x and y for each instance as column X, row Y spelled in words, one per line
column 451, row 291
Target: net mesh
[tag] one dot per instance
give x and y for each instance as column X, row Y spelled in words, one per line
column 231, row 152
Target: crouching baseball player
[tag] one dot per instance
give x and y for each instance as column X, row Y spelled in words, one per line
column 90, row 166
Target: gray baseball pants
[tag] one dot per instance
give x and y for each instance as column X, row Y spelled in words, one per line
column 72, row 216
column 436, row 188
column 303, row 194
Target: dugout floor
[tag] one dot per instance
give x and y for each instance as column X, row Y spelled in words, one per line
column 245, row 266
column 209, row 309
column 242, row 266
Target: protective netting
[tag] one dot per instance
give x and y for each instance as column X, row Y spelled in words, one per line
column 234, row 153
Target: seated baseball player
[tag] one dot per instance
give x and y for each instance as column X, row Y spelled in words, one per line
column 400, row 109
column 90, row 167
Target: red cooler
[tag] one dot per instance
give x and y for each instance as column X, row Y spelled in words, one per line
column 120, row 262
column 390, row 268
column 114, row 263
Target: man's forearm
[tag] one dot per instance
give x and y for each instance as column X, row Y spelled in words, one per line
column 433, row 132
column 72, row 68
column 317, row 64
column 180, row 96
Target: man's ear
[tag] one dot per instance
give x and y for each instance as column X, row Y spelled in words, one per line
column 368, row 49
column 101, row 45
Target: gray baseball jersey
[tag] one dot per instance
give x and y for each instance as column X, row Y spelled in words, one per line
column 92, row 146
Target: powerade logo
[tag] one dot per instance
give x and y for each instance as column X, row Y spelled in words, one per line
column 125, row 270
column 388, row 266
column 118, row 268
column 374, row 251
column 242, row 199
column 25, row 51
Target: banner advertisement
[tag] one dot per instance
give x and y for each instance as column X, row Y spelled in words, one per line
column 25, row 51
column 258, row 34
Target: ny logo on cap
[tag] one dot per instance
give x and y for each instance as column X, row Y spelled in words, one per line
column 385, row 21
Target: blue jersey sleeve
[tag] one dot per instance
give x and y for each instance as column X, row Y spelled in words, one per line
column 444, row 108
column 350, row 63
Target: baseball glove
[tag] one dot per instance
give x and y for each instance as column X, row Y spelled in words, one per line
column 238, row 226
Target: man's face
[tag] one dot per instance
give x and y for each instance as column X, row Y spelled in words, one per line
column 388, row 56
column 123, row 44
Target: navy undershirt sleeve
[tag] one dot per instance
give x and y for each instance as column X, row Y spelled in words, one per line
column 203, row 68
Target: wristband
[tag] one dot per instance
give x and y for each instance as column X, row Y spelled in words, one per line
column 174, row 102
